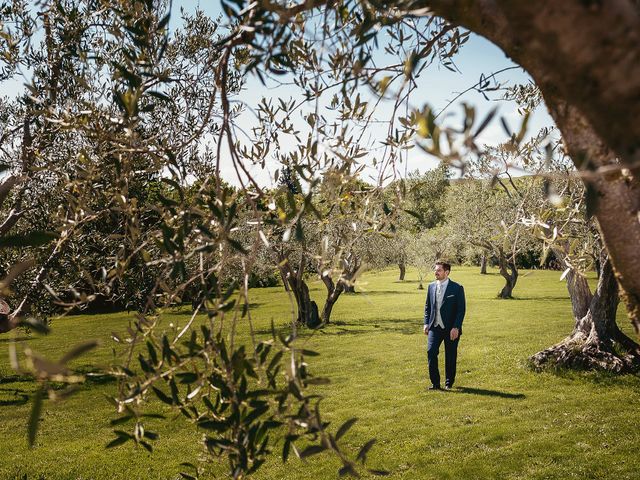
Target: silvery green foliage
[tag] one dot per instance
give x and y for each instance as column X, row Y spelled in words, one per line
column 123, row 121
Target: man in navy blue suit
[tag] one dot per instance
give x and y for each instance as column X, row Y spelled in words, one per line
column 443, row 315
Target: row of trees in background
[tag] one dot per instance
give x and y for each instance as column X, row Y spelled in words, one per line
column 468, row 221
column 488, row 215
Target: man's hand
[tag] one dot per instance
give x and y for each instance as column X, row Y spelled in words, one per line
column 426, row 329
column 455, row 333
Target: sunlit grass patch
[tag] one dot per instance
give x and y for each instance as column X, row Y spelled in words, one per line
column 502, row 421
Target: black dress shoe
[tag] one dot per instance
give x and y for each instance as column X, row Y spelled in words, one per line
column 434, row 387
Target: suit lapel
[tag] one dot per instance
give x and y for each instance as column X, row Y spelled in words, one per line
column 447, row 291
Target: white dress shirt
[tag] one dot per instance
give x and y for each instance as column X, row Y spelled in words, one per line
column 441, row 287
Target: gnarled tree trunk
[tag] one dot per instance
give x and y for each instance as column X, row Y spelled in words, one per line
column 10, row 320
column 580, row 295
column 350, row 268
column 483, row 264
column 351, row 265
column 333, row 292
column 307, row 308
column 509, row 272
column 615, row 200
column 403, row 270
column 285, row 282
column 596, row 341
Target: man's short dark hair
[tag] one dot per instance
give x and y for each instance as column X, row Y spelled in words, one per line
column 446, row 266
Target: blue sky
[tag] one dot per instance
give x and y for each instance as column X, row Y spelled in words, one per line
column 437, row 86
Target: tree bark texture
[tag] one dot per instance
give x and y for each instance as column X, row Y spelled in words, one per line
column 509, row 272
column 483, row 264
column 577, row 285
column 285, row 282
column 351, row 265
column 596, row 342
column 333, row 292
column 307, row 308
column 350, row 268
column 585, row 58
column 579, row 293
column 403, row 271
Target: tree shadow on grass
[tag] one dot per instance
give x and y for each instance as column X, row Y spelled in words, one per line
column 344, row 331
column 94, row 376
column 548, row 297
column 18, row 339
column 13, row 397
column 600, row 378
column 389, row 292
column 340, row 327
column 403, row 327
column 15, row 379
column 487, row 393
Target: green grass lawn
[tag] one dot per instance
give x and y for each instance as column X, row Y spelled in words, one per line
column 503, row 420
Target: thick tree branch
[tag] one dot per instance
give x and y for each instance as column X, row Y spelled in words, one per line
column 586, row 53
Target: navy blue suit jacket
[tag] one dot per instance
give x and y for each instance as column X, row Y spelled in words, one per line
column 452, row 309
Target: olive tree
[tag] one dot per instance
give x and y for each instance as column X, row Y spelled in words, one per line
column 131, row 102
column 596, row 341
column 489, row 217
column 426, row 248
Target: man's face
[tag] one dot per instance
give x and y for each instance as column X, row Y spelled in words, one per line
column 440, row 273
